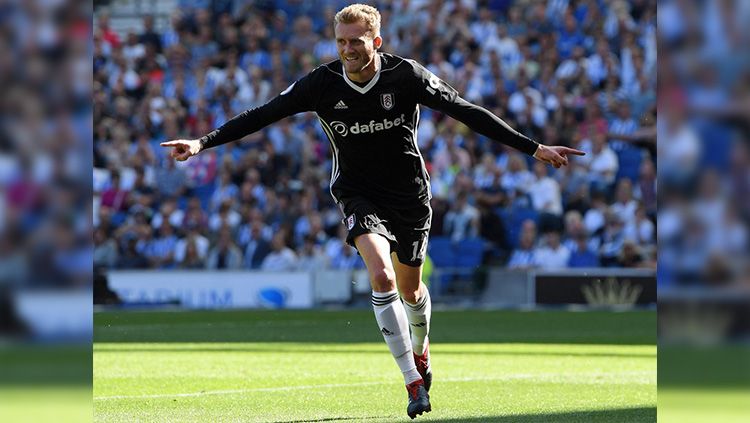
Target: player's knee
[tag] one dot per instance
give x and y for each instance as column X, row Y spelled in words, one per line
column 411, row 296
column 412, row 293
column 383, row 280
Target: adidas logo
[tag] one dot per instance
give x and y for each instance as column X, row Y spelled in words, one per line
column 419, row 325
column 386, row 331
column 341, row 105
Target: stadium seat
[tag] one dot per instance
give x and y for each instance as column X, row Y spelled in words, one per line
column 630, row 163
column 441, row 251
column 469, row 252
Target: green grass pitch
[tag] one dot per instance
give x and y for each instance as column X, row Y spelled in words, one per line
column 333, row 366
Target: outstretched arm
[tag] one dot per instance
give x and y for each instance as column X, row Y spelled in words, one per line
column 484, row 122
column 436, row 94
column 291, row 101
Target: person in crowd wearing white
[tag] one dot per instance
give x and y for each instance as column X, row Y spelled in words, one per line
column 604, row 163
column 625, row 205
column 281, row 258
column 552, row 255
column 545, row 192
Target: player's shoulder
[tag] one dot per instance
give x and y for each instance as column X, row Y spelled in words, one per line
column 332, row 68
column 391, row 62
column 402, row 67
column 407, row 66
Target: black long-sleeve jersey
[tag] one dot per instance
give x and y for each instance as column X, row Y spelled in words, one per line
column 373, row 129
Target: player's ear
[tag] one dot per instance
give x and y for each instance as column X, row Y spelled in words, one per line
column 377, row 42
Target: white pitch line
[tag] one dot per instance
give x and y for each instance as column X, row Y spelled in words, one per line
column 541, row 377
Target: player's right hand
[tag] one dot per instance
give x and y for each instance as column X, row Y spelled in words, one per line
column 183, row 149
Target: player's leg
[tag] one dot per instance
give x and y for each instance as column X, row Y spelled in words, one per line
column 391, row 317
column 418, row 311
column 417, row 300
column 412, row 228
column 389, row 311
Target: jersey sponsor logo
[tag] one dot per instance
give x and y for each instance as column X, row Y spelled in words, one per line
column 340, row 105
column 386, row 100
column 371, row 127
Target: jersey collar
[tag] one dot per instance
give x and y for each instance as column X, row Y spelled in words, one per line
column 373, row 81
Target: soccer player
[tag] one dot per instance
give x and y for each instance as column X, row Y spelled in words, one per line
column 368, row 105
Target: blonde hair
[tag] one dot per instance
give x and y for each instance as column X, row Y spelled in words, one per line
column 360, row 13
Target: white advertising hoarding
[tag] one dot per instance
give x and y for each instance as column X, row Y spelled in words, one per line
column 215, row 289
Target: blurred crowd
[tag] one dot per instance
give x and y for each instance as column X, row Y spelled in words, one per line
column 703, row 132
column 45, row 146
column 577, row 73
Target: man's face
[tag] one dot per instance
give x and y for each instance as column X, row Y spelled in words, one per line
column 355, row 45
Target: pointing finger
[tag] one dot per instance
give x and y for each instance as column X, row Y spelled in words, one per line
column 574, row 151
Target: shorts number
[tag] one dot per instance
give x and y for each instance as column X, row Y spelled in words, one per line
column 417, row 250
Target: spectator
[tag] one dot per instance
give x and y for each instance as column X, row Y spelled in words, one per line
column 553, row 254
column 594, row 217
column 603, row 165
column 546, row 199
column 225, row 216
column 523, row 256
column 311, row 257
column 630, row 255
column 192, row 258
column 256, row 245
column 462, row 221
column 225, row 254
column 281, row 257
column 195, row 240
column 105, row 249
column 170, row 179
column 625, row 205
column 612, row 239
column 545, row 192
column 225, row 191
column 149, row 35
column 517, row 180
column 622, row 127
column 168, row 212
column 347, row 259
column 160, row 250
column 114, row 197
column 129, row 257
column 582, row 255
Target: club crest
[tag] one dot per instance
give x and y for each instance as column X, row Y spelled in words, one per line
column 386, row 100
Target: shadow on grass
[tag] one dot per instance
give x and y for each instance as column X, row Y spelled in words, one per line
column 616, row 415
column 282, row 348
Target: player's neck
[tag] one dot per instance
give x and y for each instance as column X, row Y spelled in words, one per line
column 368, row 72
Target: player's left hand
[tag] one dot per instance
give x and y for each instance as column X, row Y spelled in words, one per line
column 556, row 155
